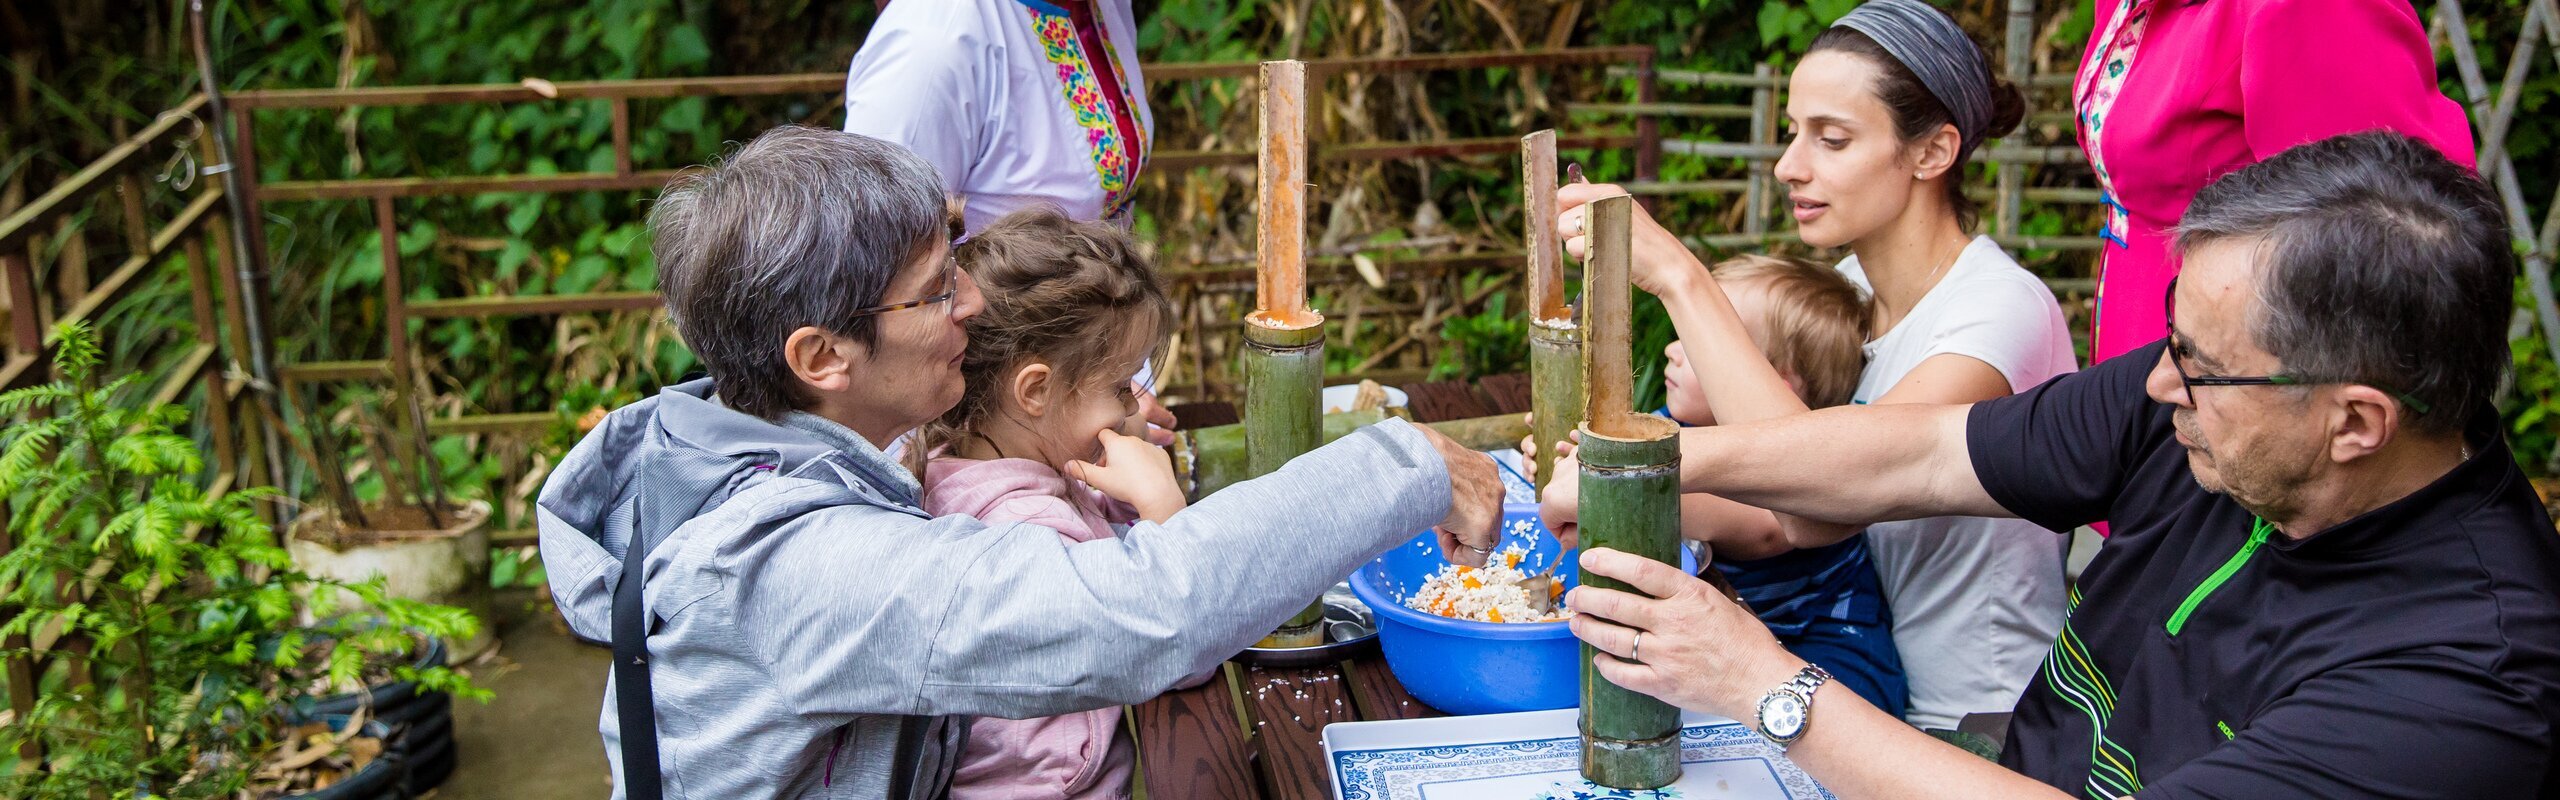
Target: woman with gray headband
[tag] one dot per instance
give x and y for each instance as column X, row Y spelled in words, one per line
column 1885, row 110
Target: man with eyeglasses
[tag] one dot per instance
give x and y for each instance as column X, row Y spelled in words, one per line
column 2327, row 576
column 786, row 620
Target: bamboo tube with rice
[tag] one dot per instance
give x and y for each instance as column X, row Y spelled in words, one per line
column 1630, row 502
column 1555, row 344
column 1283, row 358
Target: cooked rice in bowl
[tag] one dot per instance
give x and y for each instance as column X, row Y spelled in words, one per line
column 1491, row 593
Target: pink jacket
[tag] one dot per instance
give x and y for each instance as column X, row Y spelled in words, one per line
column 1080, row 755
column 2216, row 85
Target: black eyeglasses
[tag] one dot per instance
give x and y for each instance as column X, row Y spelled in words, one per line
column 950, row 288
column 2178, row 355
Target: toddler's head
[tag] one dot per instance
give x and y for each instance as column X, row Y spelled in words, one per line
column 1072, row 311
column 1811, row 323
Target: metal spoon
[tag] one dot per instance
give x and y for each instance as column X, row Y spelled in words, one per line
column 1541, row 588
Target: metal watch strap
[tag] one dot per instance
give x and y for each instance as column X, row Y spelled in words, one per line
column 1809, row 680
column 1803, row 685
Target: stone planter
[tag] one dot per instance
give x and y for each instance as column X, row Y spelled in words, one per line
column 447, row 565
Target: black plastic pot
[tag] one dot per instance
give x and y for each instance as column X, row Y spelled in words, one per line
column 384, row 778
column 386, row 696
column 421, row 722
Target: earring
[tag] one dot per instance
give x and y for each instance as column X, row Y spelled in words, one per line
column 1920, row 176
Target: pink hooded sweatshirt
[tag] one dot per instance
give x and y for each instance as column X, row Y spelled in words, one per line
column 1080, row 755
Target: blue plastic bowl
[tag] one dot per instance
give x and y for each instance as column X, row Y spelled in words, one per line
column 1465, row 667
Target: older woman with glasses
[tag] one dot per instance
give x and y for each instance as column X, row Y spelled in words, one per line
column 786, row 621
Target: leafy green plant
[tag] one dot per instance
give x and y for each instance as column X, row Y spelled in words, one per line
column 1489, row 342
column 171, row 612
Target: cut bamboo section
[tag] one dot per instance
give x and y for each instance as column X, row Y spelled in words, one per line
column 1555, row 345
column 1546, row 254
column 1280, row 195
column 1283, row 395
column 1555, row 385
column 1630, row 503
column 1283, row 359
column 1209, row 459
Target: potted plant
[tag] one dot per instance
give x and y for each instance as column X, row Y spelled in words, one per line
column 421, row 544
column 160, row 618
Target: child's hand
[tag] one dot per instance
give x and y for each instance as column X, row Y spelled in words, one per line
column 1529, row 448
column 1133, row 472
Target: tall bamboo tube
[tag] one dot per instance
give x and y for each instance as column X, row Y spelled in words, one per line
column 1630, row 502
column 1284, row 339
column 1555, row 345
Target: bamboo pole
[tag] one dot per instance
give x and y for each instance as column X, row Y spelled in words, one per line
column 1555, row 345
column 1209, row 459
column 1283, row 360
column 1630, row 502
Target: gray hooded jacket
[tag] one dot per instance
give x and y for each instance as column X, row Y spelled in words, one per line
column 805, row 602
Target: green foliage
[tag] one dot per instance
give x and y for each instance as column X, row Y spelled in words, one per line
column 184, row 599
column 1490, row 342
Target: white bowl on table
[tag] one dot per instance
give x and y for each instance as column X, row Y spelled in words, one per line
column 1340, row 398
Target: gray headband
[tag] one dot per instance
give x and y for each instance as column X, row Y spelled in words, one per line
column 1945, row 59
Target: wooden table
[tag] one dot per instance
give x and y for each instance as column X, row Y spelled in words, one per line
column 1256, row 732
column 1198, row 743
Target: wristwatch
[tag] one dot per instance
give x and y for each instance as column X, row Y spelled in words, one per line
column 1786, row 710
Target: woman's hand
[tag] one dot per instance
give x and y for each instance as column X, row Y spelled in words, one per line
column 1133, row 472
column 1661, row 264
column 1699, row 650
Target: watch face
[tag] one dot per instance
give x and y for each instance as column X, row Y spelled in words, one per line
column 1782, row 715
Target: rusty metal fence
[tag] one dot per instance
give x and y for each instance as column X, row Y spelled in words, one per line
column 37, row 242
column 398, row 368
column 2492, row 118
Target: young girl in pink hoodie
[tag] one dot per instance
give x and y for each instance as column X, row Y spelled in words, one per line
column 1071, row 312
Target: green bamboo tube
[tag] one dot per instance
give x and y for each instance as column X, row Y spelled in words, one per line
column 1630, row 502
column 1555, row 386
column 1209, row 459
column 1555, row 345
column 1283, row 395
column 1284, row 339
column 1283, row 413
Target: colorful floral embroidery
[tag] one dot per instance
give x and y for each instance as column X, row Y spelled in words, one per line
column 2100, row 82
column 1115, row 161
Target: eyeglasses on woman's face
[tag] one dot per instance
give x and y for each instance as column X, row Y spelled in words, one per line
column 948, row 288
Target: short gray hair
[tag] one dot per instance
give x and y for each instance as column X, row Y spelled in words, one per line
column 2382, row 263
column 800, row 227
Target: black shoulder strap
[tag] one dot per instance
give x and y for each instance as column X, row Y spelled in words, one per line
column 634, row 705
column 904, row 760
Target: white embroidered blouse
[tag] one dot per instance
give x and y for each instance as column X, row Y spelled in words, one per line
column 1016, row 102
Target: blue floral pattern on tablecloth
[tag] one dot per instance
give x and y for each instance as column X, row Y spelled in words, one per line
column 1406, row 773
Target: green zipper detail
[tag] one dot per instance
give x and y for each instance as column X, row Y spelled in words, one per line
column 2257, row 536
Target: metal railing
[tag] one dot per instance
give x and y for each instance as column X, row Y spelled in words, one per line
column 2492, row 119
column 398, row 365
column 199, row 234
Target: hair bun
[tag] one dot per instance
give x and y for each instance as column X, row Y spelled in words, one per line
column 2008, row 108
